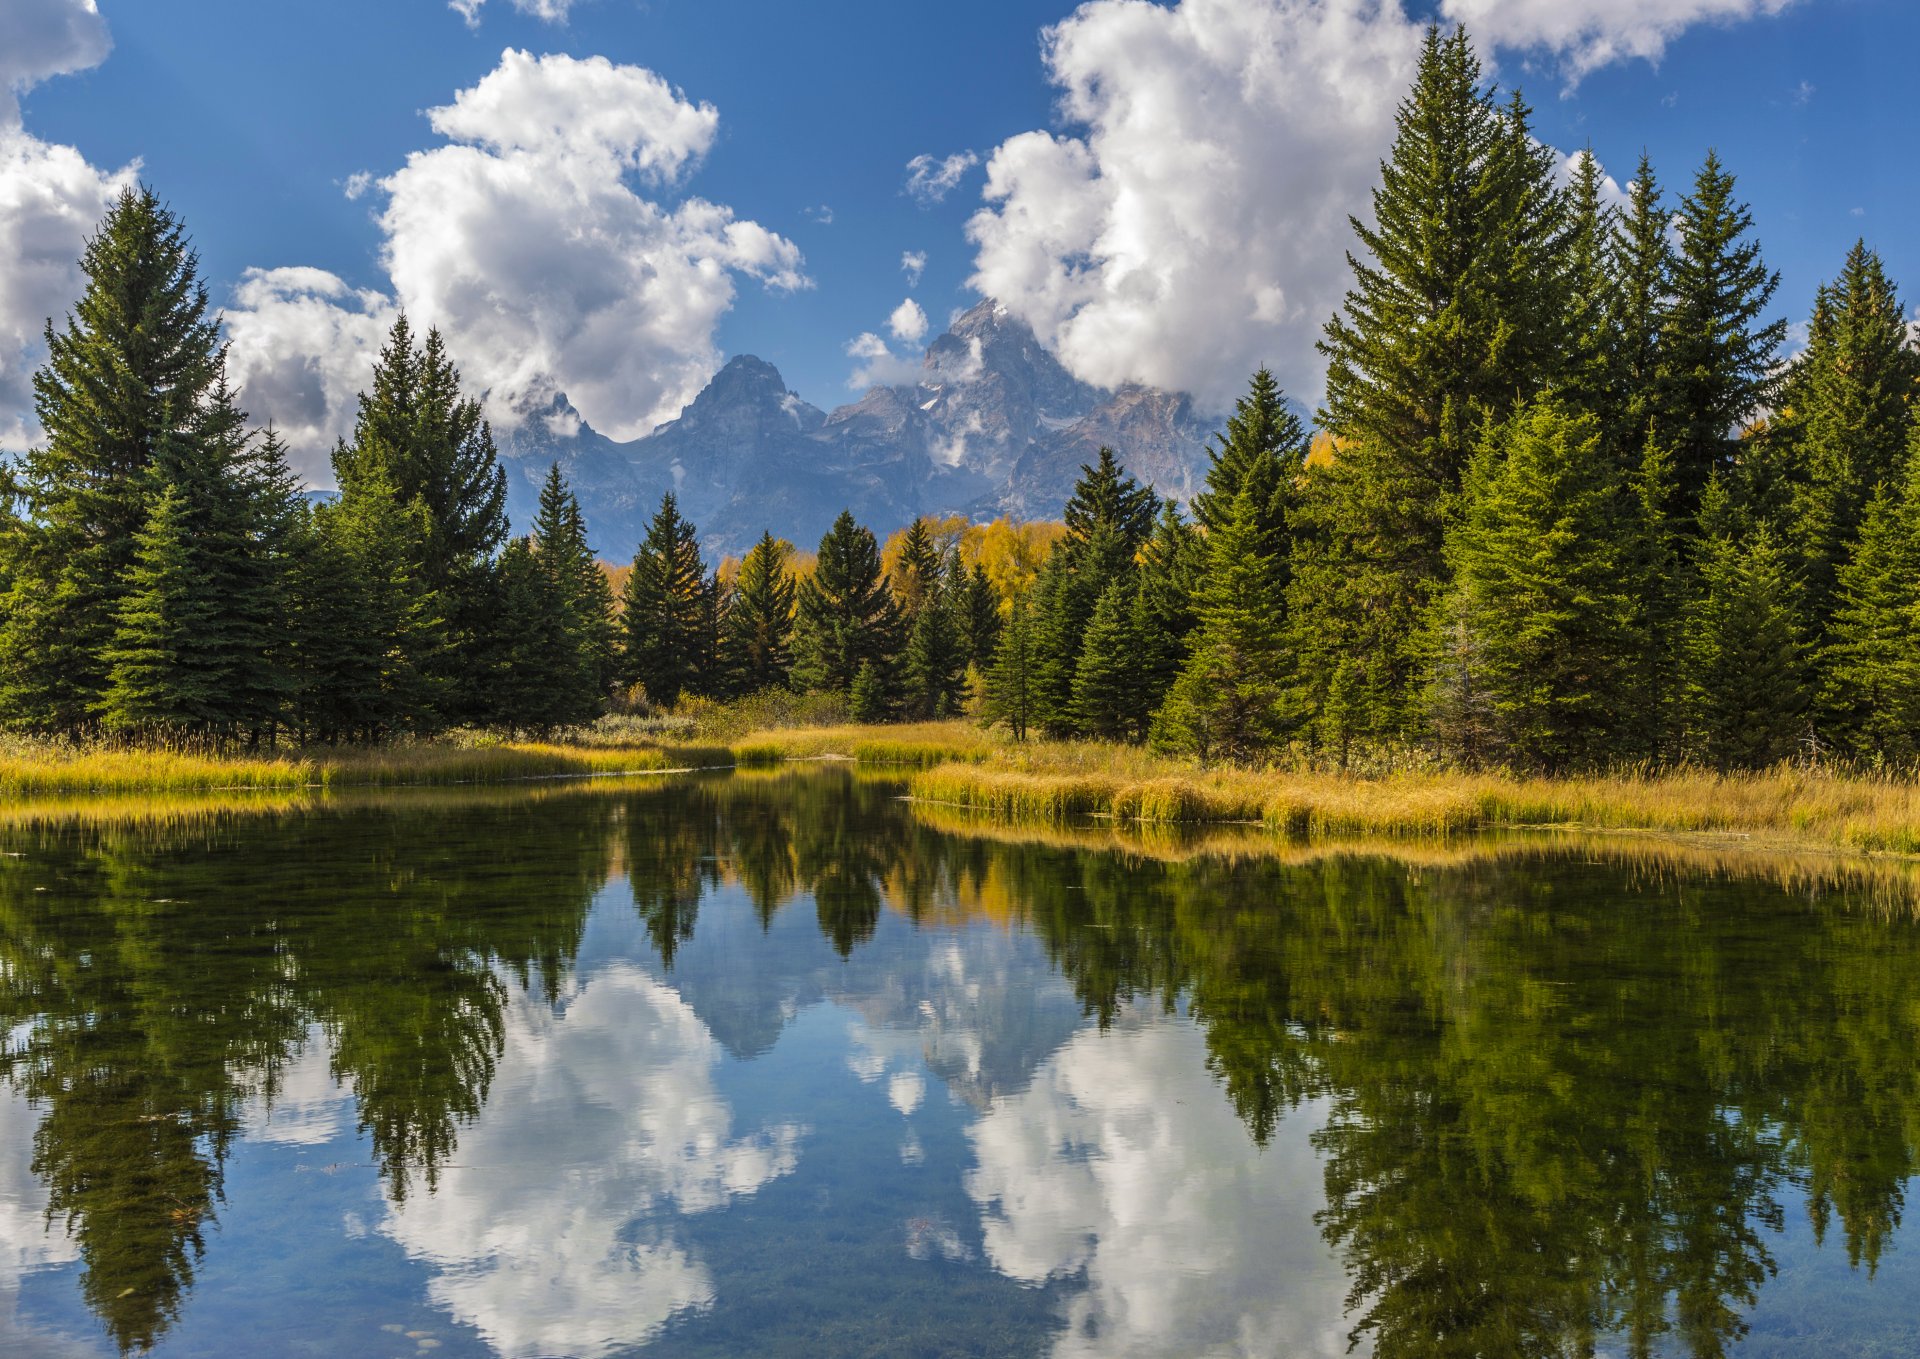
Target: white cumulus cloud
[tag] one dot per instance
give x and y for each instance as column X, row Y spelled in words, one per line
column 555, row 1231
column 1189, row 220
column 908, row 323
column 1587, row 34
column 913, row 263
column 302, row 346
column 50, row 197
column 929, row 179
column 44, row 38
column 539, row 242
column 1123, row 1165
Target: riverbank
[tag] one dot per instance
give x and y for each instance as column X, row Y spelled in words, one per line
column 1048, row 782
column 956, row 764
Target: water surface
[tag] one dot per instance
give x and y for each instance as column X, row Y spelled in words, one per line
column 777, row 1065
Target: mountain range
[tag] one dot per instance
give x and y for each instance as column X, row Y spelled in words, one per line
column 992, row 425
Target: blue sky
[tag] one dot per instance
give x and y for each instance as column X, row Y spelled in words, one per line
column 251, row 118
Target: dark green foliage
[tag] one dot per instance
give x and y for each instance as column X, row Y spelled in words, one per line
column 845, row 617
column 556, row 619
column 1263, row 452
column 980, row 622
column 1109, row 518
column 1717, row 356
column 1172, row 567
column 1010, row 684
column 934, row 666
column 1746, row 657
column 867, row 698
column 1538, row 594
column 366, row 633
column 920, row 569
column 1870, row 699
column 1108, row 700
column 1639, row 297
column 757, row 649
column 666, row 612
column 166, row 662
column 1844, row 413
column 126, row 375
column 1231, row 697
column 430, row 447
column 1459, row 312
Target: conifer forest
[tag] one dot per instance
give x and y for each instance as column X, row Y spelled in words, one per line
column 1569, row 503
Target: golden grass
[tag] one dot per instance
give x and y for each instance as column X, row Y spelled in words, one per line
column 918, row 746
column 1785, row 806
column 49, row 769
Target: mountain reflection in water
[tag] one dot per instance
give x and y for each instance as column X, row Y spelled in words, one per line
column 778, row 1064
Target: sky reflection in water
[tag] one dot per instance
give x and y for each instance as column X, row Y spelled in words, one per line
column 767, row 1065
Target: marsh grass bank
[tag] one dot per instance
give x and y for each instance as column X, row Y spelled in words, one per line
column 956, row 764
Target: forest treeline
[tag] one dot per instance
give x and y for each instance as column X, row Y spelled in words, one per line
column 1572, row 507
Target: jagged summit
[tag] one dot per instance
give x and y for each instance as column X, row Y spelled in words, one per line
column 993, row 424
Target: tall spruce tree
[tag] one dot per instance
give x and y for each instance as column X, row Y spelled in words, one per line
column 1010, row 684
column 1539, row 587
column 126, row 374
column 1457, row 315
column 1640, row 295
column 1109, row 518
column 934, row 665
column 1746, row 658
column 1264, row 450
column 845, row 617
column 758, row 647
column 539, row 678
column 577, row 641
column 1108, row 701
column 980, row 621
column 1718, row 355
column 666, row 612
column 428, row 445
column 166, row 660
column 1869, row 705
column 1844, row 414
column 1173, row 565
column 1231, row 697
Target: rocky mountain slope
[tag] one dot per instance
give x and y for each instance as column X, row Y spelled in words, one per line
column 993, row 425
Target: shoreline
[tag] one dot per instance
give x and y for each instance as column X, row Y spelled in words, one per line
column 957, row 765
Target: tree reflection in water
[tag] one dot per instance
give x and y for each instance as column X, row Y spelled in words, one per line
column 1558, row 1102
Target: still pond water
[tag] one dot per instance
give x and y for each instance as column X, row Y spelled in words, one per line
column 779, row 1065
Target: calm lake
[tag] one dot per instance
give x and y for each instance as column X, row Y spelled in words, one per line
column 782, row 1065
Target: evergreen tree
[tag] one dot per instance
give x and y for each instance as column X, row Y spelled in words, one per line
column 1717, row 356
column 166, row 662
column 917, row 576
column 576, row 638
column 1746, row 673
column 935, row 663
column 1538, row 587
column 1457, row 315
column 759, row 640
column 1172, row 566
column 1591, row 381
column 1108, row 701
column 1010, row 684
column 1639, row 299
column 845, row 617
column 1109, row 518
column 666, row 611
column 539, row 681
column 867, row 698
column 366, row 632
column 429, row 446
column 980, row 625
column 1870, row 696
column 1845, row 412
column 1264, row 449
column 1231, row 696
column 125, row 375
